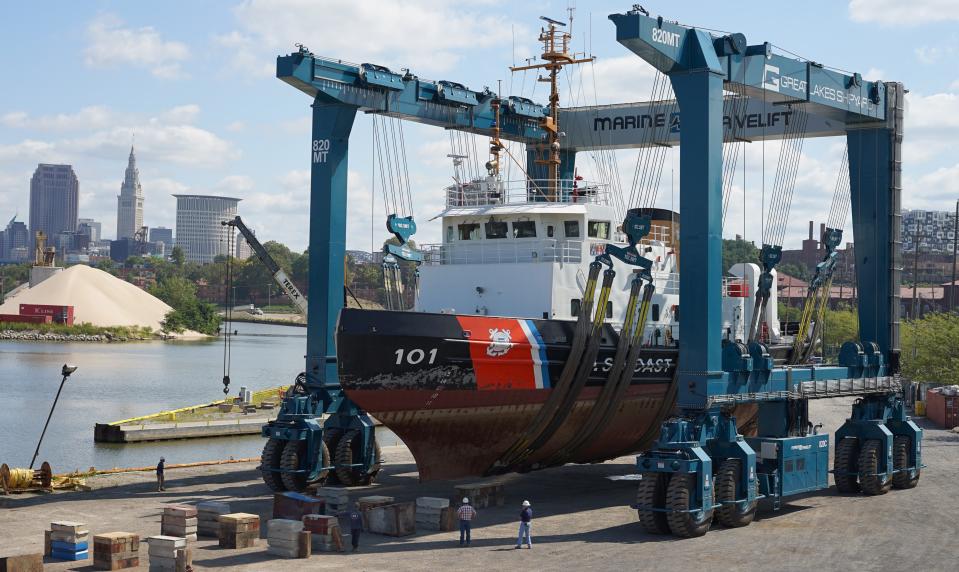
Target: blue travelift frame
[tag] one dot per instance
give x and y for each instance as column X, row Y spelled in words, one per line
column 711, row 377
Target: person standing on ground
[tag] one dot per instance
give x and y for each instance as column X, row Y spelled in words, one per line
column 160, row 467
column 466, row 514
column 525, row 518
column 356, row 525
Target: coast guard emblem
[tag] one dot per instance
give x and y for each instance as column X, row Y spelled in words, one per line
column 500, row 342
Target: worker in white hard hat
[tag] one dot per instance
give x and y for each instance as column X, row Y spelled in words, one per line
column 466, row 514
column 525, row 519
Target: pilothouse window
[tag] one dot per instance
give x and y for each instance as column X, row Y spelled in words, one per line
column 524, row 229
column 571, row 228
column 599, row 229
column 469, row 231
column 496, row 229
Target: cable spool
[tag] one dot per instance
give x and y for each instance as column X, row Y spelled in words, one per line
column 18, row 479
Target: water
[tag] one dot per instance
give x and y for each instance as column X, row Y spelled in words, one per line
column 118, row 381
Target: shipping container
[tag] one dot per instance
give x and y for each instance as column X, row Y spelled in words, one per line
column 26, row 319
column 943, row 410
column 60, row 314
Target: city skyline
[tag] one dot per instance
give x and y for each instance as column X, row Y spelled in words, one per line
column 139, row 69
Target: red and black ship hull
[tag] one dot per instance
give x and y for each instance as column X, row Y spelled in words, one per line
column 460, row 390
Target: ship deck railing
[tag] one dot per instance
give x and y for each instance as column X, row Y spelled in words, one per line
column 489, row 192
column 503, row 251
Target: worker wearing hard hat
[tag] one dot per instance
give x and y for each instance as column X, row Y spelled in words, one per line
column 525, row 518
column 466, row 514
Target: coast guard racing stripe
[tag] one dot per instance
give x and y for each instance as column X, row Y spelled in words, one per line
column 507, row 353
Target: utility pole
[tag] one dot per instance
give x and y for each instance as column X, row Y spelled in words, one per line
column 955, row 245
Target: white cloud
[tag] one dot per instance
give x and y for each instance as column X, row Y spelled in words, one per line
column 896, row 12
column 107, row 134
column 930, row 55
column 617, row 80
column 113, row 45
column 432, row 33
column 874, row 74
column 236, row 184
column 235, row 126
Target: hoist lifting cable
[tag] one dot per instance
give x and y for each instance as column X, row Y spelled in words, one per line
column 734, row 107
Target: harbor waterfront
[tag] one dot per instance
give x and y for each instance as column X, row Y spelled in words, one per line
column 118, row 381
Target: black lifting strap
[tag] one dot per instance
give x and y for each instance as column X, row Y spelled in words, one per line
column 560, row 402
column 619, row 378
column 580, row 334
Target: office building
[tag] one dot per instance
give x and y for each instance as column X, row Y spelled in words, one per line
column 54, row 197
column 198, row 229
column 91, row 228
column 164, row 235
column 130, row 201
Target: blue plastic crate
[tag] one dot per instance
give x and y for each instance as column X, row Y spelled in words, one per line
column 69, row 546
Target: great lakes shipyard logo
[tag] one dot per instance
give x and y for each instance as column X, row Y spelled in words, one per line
column 500, row 342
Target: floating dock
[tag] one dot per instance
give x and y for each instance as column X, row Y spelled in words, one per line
column 222, row 418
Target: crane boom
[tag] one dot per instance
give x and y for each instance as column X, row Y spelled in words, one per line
column 281, row 278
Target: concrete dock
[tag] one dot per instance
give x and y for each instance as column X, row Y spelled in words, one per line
column 581, row 520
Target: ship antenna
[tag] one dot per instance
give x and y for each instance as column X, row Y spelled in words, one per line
column 556, row 54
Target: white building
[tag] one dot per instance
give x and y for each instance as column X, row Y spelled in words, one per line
column 243, row 248
column 198, row 229
column 130, row 201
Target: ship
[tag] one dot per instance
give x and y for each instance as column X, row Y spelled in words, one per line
column 491, row 372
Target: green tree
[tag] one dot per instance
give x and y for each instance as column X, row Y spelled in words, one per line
column 930, row 348
column 795, row 270
column 736, row 251
column 188, row 312
column 177, row 256
column 841, row 325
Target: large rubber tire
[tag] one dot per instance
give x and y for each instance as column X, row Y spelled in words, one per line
column 348, row 449
column 845, row 464
column 900, row 460
column 293, row 451
column 869, row 481
column 727, row 479
column 652, row 493
column 678, row 494
column 331, row 438
column 270, row 459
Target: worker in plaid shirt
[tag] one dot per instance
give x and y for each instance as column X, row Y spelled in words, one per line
column 466, row 514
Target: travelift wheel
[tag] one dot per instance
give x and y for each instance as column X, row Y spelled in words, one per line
column 869, row 481
column 331, row 438
column 350, row 448
column 732, row 515
column 270, row 459
column 900, row 460
column 290, row 461
column 678, row 495
column 846, row 465
column 652, row 493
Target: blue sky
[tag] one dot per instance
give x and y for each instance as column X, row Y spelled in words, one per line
column 194, row 81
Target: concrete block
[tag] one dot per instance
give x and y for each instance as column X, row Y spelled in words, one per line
column 431, row 503
column 282, row 552
column 62, row 536
column 398, row 519
column 213, row 507
column 238, row 539
column 67, row 526
column 22, row 563
column 283, row 527
column 319, row 523
column 183, row 511
column 482, row 494
column 177, row 520
column 179, row 531
column 283, row 543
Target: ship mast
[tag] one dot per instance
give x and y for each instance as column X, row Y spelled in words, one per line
column 556, row 54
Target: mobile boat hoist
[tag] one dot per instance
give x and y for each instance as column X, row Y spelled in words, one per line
column 701, row 464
